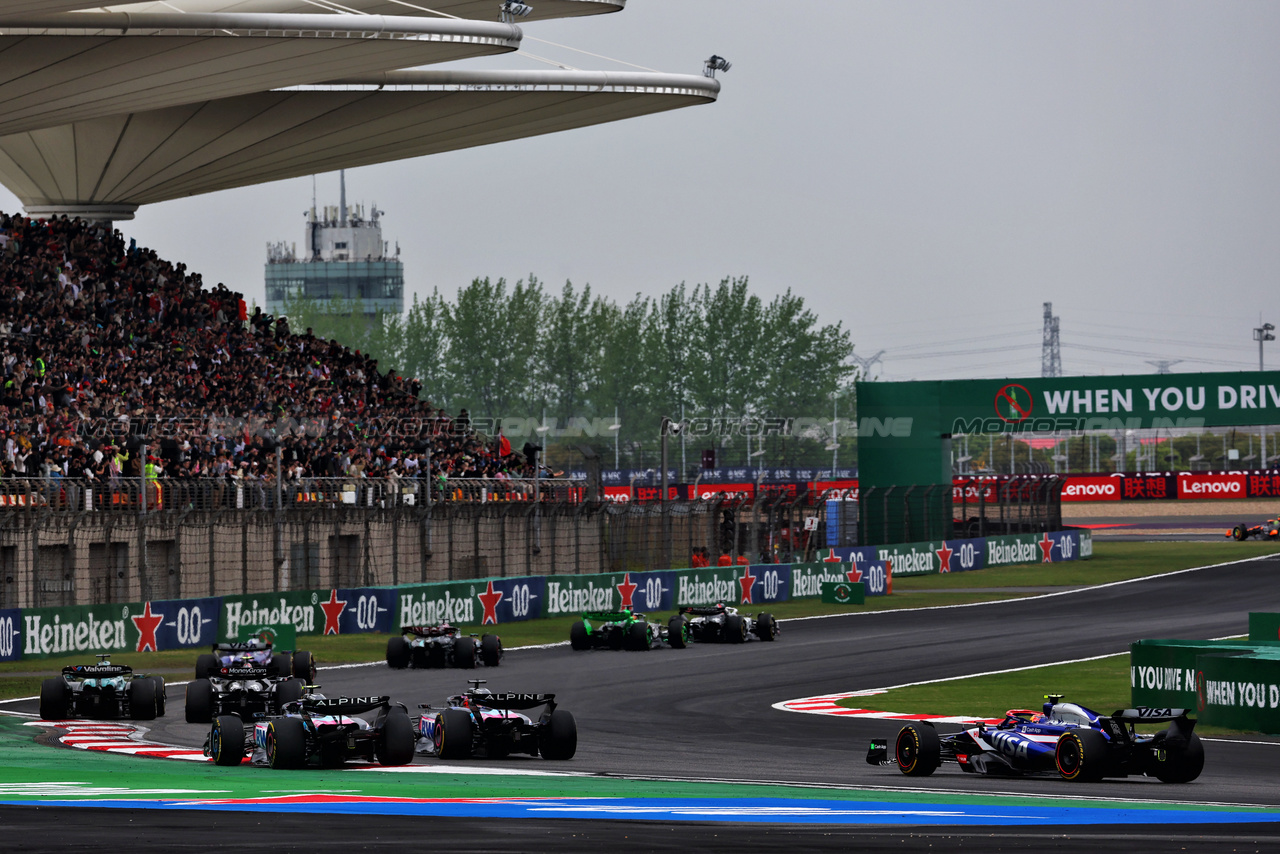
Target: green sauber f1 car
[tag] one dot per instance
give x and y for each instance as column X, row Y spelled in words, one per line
column 626, row 629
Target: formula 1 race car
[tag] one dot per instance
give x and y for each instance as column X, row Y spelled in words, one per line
column 626, row 629
column 102, row 690
column 723, row 624
column 243, row 689
column 1066, row 739
column 442, row 646
column 1268, row 530
column 317, row 727
column 257, row 653
column 494, row 726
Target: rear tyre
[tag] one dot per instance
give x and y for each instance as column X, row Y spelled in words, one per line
column 578, row 638
column 766, row 627
column 397, row 653
column 560, row 738
column 1081, row 755
column 735, row 629
column 288, row 691
column 464, row 653
column 637, row 639
column 160, row 695
column 200, row 702
column 304, row 667
column 677, row 632
column 206, row 665
column 453, row 734
column 395, row 743
column 283, row 664
column 286, row 743
column 226, row 740
column 1181, row 766
column 491, row 650
column 142, row 700
column 55, row 699
column 918, row 750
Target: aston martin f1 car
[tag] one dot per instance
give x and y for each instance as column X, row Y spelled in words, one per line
column 102, row 690
column 481, row 722
column 626, row 629
column 1268, row 530
column 257, row 653
column 723, row 624
column 316, row 727
column 442, row 646
column 241, row 688
column 1067, row 739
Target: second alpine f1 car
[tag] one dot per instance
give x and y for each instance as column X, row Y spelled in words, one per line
column 316, row 727
column 626, row 629
column 102, row 690
column 496, row 725
column 723, row 624
column 1065, row 739
column 442, row 646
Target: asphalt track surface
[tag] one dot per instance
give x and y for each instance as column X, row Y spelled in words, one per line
column 706, row 713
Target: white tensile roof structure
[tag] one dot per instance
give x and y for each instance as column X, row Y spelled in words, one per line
column 108, row 108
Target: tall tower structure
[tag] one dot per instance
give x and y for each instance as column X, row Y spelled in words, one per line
column 1051, row 352
column 344, row 259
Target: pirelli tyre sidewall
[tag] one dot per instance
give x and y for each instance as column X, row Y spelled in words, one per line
column 918, row 750
column 1081, row 755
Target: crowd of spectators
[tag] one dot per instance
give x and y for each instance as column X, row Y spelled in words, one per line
column 117, row 362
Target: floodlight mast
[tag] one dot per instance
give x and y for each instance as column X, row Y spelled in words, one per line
column 1265, row 332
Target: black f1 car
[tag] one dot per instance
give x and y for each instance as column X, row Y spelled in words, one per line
column 626, row 629
column 320, row 728
column 102, row 690
column 495, row 726
column 1268, row 530
column 1065, row 739
column 442, row 646
column 244, row 689
column 723, row 624
column 257, row 653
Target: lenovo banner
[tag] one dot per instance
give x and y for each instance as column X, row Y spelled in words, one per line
column 1204, row 485
column 1093, row 489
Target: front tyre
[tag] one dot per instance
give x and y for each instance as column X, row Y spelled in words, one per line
column 560, row 738
column 1240, row 533
column 918, row 750
column 735, row 629
column 677, row 632
column 1081, row 755
column 1179, row 766
column 226, row 740
column 766, row 627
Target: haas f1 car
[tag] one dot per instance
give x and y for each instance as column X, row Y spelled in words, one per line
column 102, row 690
column 723, row 624
column 626, row 629
column 243, row 689
column 484, row 723
column 1066, row 739
column 316, row 727
column 442, row 646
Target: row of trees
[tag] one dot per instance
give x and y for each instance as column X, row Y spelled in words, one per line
column 520, row 351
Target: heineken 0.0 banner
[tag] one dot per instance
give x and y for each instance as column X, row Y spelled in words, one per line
column 964, row 555
column 10, row 634
column 134, row 627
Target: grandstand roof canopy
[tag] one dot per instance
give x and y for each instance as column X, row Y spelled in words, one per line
column 131, row 62
column 128, row 160
column 476, row 10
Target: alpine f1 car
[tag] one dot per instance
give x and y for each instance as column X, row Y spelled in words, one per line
column 495, row 725
column 319, row 728
column 1066, row 739
column 723, row 624
column 258, row 653
column 102, row 690
column 245, row 689
column 442, row 646
column 626, row 629
column 1268, row 530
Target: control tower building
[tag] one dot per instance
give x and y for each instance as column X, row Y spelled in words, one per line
column 344, row 262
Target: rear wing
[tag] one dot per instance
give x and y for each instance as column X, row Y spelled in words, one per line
column 442, row 630
column 609, row 616
column 343, row 705
column 1142, row 714
column 510, row 701
column 242, row 646
column 97, row 671
column 703, row 611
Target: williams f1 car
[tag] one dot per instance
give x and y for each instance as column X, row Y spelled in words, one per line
column 102, row 690
column 1067, row 739
column 442, row 646
column 316, row 727
column 257, row 653
column 1268, row 530
column 481, row 722
column 723, row 624
column 626, row 629
column 242, row 688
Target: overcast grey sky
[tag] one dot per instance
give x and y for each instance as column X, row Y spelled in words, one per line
column 927, row 173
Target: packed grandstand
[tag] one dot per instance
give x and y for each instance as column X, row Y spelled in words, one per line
column 113, row 354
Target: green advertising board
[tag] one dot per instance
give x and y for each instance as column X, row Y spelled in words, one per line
column 1264, row 626
column 1162, row 673
column 79, row 628
column 844, row 592
column 807, row 578
column 1240, row 692
column 299, row 609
